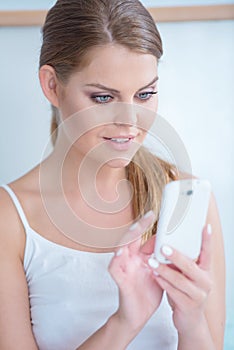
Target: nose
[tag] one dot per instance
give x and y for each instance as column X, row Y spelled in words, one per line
column 126, row 114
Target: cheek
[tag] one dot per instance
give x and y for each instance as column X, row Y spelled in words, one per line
column 146, row 118
column 78, row 132
column 73, row 103
column 153, row 105
column 81, row 129
column 142, row 136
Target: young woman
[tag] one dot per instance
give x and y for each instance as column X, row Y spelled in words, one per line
column 65, row 283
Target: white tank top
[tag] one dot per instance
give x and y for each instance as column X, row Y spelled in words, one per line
column 72, row 295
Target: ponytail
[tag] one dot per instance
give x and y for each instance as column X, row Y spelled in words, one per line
column 148, row 175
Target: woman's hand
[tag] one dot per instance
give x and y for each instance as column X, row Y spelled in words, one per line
column 188, row 284
column 139, row 293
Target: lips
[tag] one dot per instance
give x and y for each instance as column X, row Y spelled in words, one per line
column 120, row 139
column 121, row 142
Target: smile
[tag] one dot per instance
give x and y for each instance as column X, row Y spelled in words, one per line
column 118, row 140
column 120, row 143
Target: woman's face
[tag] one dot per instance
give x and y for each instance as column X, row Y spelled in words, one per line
column 112, row 102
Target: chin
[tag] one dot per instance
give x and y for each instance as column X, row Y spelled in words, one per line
column 118, row 163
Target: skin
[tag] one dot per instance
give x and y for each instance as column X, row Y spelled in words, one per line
column 197, row 300
column 80, row 94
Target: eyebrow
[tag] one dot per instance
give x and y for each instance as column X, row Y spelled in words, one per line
column 100, row 86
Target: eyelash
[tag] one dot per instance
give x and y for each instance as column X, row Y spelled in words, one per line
column 148, row 93
column 95, row 98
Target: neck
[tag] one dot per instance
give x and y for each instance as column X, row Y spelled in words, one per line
column 85, row 175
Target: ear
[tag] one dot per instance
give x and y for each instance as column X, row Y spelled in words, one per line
column 49, row 84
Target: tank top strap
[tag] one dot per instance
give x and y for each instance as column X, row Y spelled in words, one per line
column 18, row 206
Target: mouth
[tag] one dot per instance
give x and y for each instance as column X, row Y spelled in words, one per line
column 120, row 143
column 119, row 140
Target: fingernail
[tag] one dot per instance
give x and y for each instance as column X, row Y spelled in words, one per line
column 167, row 250
column 119, row 252
column 209, row 229
column 134, row 226
column 153, row 263
column 148, row 214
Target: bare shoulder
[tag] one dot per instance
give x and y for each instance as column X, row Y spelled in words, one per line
column 213, row 212
column 213, row 218
column 215, row 309
column 12, row 236
column 15, row 325
column 12, row 233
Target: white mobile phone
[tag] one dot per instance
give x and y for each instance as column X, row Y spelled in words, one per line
column 182, row 217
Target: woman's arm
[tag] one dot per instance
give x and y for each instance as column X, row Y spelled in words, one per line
column 15, row 326
column 214, row 320
column 136, row 304
column 215, row 306
column 196, row 291
column 114, row 335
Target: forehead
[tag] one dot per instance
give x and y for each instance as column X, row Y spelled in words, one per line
column 118, row 67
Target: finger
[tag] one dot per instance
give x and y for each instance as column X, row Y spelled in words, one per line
column 117, row 266
column 183, row 293
column 181, row 262
column 178, row 281
column 204, row 260
column 185, row 265
column 176, row 296
column 133, row 236
column 123, row 265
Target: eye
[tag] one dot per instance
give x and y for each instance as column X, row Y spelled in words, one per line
column 146, row 95
column 102, row 98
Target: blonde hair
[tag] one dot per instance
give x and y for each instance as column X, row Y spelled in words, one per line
column 71, row 29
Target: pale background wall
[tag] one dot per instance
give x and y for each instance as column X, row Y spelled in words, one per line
column 196, row 97
column 44, row 4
